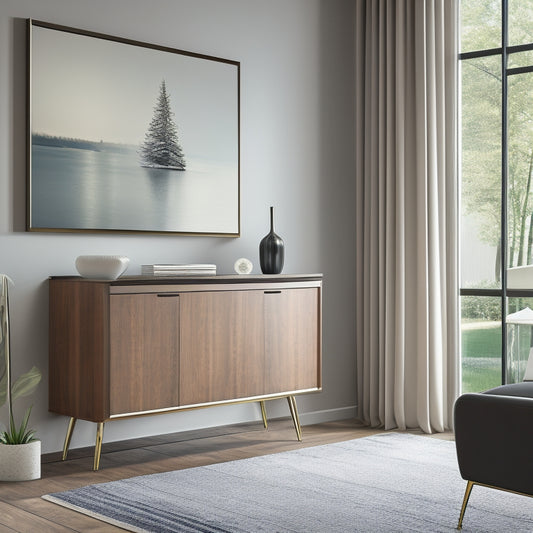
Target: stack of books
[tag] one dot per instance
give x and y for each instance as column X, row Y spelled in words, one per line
column 179, row 270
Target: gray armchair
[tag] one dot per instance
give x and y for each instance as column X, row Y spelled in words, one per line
column 494, row 439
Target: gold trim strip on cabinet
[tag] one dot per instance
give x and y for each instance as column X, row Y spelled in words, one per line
column 213, row 404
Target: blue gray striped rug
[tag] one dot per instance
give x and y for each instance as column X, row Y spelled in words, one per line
column 385, row 483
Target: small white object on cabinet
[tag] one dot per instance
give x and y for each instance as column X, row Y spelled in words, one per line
column 243, row 266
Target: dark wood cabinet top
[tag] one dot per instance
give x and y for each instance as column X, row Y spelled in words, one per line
column 207, row 280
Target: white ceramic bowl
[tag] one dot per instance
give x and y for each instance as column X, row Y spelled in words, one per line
column 101, row 266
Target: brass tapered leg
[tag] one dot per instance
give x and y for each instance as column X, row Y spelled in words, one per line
column 263, row 413
column 98, row 446
column 468, row 490
column 68, row 436
column 294, row 413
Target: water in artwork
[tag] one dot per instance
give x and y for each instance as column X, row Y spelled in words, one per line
column 107, row 189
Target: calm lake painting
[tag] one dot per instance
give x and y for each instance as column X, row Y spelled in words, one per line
column 131, row 137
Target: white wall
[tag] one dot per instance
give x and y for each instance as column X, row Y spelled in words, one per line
column 297, row 142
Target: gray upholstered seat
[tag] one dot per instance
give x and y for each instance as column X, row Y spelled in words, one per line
column 494, row 439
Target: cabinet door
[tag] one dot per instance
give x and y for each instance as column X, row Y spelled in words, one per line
column 292, row 340
column 144, row 354
column 222, row 346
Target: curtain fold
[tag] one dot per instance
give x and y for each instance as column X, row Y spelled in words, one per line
column 406, row 235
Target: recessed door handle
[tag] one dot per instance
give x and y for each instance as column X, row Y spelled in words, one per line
column 272, row 292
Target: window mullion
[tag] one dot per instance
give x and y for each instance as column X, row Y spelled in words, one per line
column 504, row 207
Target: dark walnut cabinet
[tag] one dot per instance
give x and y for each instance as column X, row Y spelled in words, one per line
column 149, row 345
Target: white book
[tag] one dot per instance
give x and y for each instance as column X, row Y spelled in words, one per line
column 177, row 267
column 182, row 273
column 179, row 270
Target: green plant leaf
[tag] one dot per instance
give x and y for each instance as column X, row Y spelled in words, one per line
column 20, row 435
column 3, row 389
column 26, row 383
column 3, row 362
column 13, row 433
column 3, row 359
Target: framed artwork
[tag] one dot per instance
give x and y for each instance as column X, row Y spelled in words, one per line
column 125, row 136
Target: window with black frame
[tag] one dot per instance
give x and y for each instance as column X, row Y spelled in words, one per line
column 496, row 66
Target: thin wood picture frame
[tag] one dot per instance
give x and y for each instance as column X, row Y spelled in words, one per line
column 130, row 137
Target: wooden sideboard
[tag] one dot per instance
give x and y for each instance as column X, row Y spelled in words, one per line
column 148, row 345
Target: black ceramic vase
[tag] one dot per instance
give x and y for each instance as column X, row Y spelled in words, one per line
column 271, row 250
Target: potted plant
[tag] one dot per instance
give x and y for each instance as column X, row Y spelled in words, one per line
column 20, row 451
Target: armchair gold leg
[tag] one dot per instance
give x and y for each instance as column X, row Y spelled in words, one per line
column 68, row 437
column 98, row 446
column 264, row 414
column 468, row 490
column 294, row 413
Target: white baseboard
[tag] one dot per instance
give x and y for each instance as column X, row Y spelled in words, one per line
column 328, row 415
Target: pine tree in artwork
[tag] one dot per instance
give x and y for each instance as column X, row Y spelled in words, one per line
column 161, row 148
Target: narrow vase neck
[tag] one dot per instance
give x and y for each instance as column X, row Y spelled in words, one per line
column 272, row 219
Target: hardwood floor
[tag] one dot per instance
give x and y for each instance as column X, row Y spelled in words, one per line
column 22, row 509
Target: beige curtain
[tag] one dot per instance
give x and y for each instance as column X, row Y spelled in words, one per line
column 406, row 114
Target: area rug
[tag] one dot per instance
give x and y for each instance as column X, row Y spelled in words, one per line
column 385, row 483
